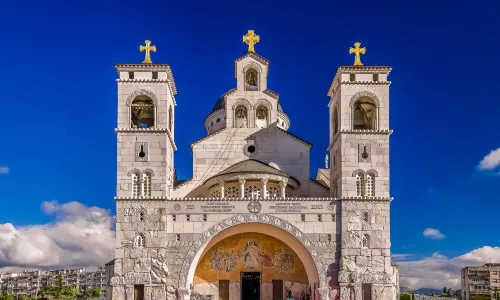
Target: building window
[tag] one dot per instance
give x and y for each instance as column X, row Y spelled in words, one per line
column 375, row 77
column 170, row 119
column 232, row 192
column 320, row 218
column 141, row 216
column 188, row 218
column 177, row 237
column 333, row 218
column 136, row 185
column 252, row 191
column 251, row 80
column 204, row 217
column 364, row 114
column 142, row 113
column 139, row 241
column 155, row 75
column 174, row 218
column 329, row 237
column 365, row 216
column 360, row 184
column 262, row 117
column 146, row 184
column 241, row 117
column 303, row 217
column 273, row 192
column 130, row 75
column 365, row 241
column 352, row 77
column 370, row 184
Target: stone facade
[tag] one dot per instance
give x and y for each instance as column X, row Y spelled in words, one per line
column 251, row 175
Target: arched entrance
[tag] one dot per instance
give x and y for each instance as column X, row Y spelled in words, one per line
column 261, row 247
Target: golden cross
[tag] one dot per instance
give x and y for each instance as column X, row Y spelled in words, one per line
column 251, row 39
column 147, row 48
column 357, row 51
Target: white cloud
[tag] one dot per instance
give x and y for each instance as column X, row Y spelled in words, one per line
column 80, row 236
column 434, row 234
column 438, row 271
column 490, row 161
column 399, row 257
column 4, row 170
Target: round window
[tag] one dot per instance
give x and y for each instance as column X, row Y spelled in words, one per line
column 251, row 149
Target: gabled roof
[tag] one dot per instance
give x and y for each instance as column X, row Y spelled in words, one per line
column 252, row 166
column 253, row 55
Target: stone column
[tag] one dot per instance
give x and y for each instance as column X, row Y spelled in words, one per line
column 264, row 187
column 283, row 184
column 221, row 184
column 242, row 187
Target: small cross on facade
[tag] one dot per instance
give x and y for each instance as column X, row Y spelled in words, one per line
column 357, row 51
column 251, row 39
column 147, row 48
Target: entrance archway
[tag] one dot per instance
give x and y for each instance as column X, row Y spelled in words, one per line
column 261, row 224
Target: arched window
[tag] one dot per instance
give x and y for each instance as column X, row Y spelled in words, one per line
column 273, row 191
column 252, row 191
column 215, row 192
column 139, row 241
column 232, row 192
column 364, row 114
column 365, row 241
column 146, row 184
column 360, row 184
column 335, row 121
column 170, row 119
column 251, row 80
column 136, row 184
column 241, row 114
column 261, row 117
column 142, row 112
column 370, row 184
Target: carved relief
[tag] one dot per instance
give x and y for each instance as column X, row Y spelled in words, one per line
column 241, row 219
column 131, row 278
column 142, row 265
column 364, row 153
column 159, row 271
column 141, row 151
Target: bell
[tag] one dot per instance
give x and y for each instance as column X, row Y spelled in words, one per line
column 359, row 119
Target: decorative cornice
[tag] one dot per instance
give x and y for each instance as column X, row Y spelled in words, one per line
column 140, row 198
column 359, row 131
column 206, row 137
column 272, row 94
column 149, row 130
column 301, row 199
column 357, row 69
column 150, row 67
column 295, row 137
column 367, row 82
column 250, row 176
column 253, row 55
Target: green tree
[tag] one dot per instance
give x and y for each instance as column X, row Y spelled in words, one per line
column 59, row 291
column 93, row 293
column 444, row 290
column 22, row 297
column 413, row 296
column 5, row 296
column 404, row 296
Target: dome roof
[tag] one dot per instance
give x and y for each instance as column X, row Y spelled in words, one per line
column 221, row 103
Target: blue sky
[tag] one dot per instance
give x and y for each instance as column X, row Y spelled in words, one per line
column 59, row 107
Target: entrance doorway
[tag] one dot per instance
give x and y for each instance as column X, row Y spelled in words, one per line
column 250, row 285
column 278, row 290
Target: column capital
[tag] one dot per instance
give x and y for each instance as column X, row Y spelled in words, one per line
column 241, row 180
column 284, row 182
column 265, row 180
column 221, row 183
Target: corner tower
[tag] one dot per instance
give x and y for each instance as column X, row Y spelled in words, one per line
column 359, row 178
column 146, row 112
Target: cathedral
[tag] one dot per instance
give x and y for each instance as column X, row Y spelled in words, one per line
column 251, row 224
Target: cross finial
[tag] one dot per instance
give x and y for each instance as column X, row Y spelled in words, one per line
column 326, row 161
column 251, row 39
column 147, row 48
column 357, row 51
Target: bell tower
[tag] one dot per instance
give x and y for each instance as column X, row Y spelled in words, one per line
column 146, row 112
column 359, row 175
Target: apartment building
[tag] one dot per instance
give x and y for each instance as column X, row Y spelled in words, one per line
column 30, row 283
column 480, row 280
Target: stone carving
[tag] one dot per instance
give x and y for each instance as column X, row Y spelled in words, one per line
column 323, row 292
column 171, row 295
column 177, row 207
column 334, row 293
column 254, row 207
column 118, row 293
column 158, row 292
column 358, row 95
column 127, row 243
column 159, row 271
column 131, row 278
column 139, row 205
column 241, row 219
column 141, row 151
column 142, row 92
column 142, row 265
column 364, row 153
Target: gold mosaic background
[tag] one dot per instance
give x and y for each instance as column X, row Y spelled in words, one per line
column 250, row 252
